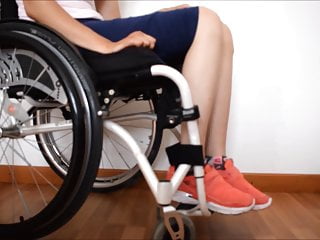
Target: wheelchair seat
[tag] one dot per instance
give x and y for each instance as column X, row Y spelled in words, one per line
column 129, row 59
column 129, row 67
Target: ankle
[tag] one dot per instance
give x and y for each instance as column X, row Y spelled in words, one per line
column 217, row 162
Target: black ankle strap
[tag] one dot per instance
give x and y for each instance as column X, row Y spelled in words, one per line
column 185, row 153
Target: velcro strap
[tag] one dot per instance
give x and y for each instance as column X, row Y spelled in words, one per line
column 189, row 114
column 185, row 154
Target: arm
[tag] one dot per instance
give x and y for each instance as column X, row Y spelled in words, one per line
column 109, row 9
column 50, row 13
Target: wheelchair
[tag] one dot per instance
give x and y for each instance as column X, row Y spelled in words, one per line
column 95, row 120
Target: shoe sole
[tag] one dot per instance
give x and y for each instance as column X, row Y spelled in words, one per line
column 186, row 198
column 229, row 210
column 262, row 206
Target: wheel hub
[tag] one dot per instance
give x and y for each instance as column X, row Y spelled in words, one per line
column 12, row 132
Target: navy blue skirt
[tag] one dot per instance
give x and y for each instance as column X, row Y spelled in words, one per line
column 173, row 30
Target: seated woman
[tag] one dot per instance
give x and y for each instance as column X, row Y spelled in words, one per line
column 193, row 36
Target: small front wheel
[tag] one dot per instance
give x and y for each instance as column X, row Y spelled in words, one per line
column 161, row 232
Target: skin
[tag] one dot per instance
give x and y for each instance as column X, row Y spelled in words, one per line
column 208, row 60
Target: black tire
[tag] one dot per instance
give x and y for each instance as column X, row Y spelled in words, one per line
column 47, row 209
column 57, row 158
column 161, row 233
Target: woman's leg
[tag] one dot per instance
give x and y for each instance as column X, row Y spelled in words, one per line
column 202, row 68
column 218, row 124
column 207, row 67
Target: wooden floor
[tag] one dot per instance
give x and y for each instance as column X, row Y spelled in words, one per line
column 130, row 214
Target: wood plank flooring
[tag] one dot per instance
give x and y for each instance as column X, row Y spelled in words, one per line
column 130, row 214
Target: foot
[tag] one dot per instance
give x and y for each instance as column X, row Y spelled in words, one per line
column 232, row 175
column 221, row 196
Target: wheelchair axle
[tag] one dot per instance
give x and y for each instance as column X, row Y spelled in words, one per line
column 23, row 131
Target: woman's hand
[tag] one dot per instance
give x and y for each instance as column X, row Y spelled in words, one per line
column 137, row 39
column 175, row 8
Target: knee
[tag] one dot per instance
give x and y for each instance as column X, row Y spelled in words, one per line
column 227, row 39
column 210, row 22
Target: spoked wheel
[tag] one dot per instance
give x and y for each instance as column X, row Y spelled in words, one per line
column 57, row 146
column 161, row 232
column 118, row 166
column 36, row 78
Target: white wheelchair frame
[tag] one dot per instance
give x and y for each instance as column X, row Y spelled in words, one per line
column 163, row 191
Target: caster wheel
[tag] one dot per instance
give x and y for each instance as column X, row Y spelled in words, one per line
column 161, row 232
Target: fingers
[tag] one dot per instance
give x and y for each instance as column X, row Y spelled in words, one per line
column 140, row 39
column 137, row 39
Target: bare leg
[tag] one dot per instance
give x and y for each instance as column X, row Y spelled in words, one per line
column 202, row 67
column 218, row 124
column 208, row 69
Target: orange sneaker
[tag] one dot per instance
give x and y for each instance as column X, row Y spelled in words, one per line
column 232, row 175
column 221, row 196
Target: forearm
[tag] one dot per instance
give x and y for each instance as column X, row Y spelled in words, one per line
column 51, row 14
column 109, row 9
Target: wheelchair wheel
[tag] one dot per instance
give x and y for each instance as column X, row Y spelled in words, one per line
column 118, row 166
column 39, row 76
column 161, row 232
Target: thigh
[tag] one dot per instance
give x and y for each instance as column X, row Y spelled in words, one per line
column 174, row 30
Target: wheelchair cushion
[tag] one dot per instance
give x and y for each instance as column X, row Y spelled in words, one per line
column 128, row 67
column 125, row 61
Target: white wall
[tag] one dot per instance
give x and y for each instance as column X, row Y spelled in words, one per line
column 275, row 114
